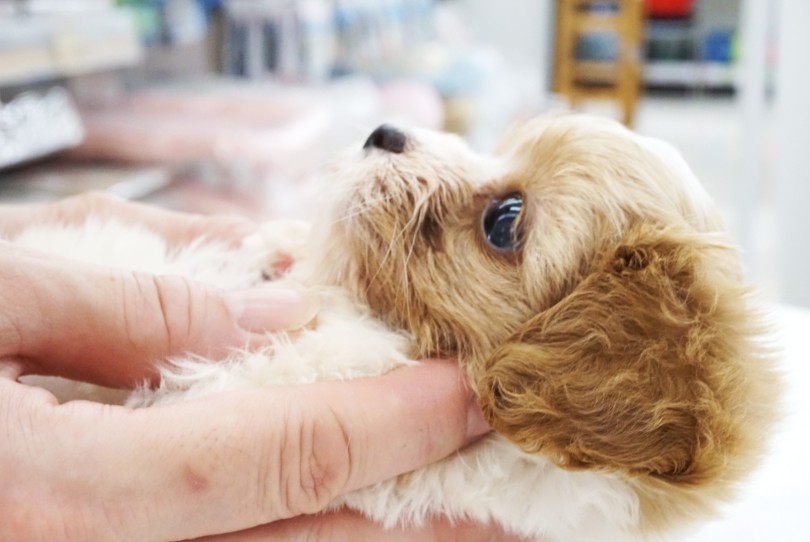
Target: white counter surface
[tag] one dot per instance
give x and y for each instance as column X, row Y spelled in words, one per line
column 775, row 503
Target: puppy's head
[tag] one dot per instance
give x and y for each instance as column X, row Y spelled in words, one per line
column 582, row 278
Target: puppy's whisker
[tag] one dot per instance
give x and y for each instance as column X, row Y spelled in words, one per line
column 359, row 208
column 406, row 280
column 413, row 217
column 416, row 217
column 408, row 225
column 356, row 211
column 386, row 256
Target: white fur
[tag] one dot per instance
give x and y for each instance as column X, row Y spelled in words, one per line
column 682, row 176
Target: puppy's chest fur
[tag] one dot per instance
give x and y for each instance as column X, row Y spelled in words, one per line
column 489, row 481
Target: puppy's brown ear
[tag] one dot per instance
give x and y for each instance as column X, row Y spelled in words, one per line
column 641, row 369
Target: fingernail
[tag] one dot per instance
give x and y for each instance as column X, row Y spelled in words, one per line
column 267, row 309
column 10, row 370
column 477, row 425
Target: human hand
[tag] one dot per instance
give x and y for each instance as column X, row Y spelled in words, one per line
column 109, row 326
column 84, row 471
column 177, row 228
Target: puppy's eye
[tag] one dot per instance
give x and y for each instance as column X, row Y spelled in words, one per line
column 501, row 220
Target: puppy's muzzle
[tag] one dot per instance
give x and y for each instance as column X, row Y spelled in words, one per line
column 386, row 138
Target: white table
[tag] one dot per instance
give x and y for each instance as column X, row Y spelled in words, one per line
column 775, row 503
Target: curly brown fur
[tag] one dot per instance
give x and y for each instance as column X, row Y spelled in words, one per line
column 648, row 368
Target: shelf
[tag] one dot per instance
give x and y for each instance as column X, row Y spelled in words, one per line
column 40, row 47
column 689, row 73
column 60, row 177
column 598, row 22
column 590, row 71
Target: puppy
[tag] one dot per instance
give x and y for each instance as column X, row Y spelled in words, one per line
column 582, row 278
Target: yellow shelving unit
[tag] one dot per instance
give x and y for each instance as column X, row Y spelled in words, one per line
column 617, row 79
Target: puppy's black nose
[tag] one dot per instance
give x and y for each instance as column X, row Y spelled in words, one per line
column 386, row 138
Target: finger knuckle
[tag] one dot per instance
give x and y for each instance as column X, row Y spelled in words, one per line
column 171, row 306
column 323, row 450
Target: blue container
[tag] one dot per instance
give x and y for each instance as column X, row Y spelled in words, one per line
column 717, row 46
column 597, row 46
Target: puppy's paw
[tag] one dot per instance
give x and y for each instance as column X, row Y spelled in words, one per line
column 282, row 242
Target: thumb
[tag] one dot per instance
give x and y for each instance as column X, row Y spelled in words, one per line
column 110, row 327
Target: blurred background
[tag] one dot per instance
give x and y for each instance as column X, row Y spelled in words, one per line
column 237, row 105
